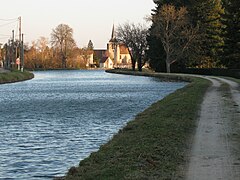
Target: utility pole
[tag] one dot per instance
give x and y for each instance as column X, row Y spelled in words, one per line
column 22, row 55
column 7, row 55
column 20, row 29
column 12, row 50
column 1, row 59
column 20, row 61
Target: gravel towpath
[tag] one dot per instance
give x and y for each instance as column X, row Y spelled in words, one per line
column 215, row 153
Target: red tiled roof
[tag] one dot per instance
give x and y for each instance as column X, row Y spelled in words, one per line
column 123, row 49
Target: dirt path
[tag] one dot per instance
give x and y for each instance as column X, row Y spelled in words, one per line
column 215, row 151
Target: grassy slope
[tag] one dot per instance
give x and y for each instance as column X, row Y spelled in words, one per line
column 15, row 76
column 154, row 145
column 232, row 79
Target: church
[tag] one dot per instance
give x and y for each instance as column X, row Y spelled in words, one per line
column 117, row 54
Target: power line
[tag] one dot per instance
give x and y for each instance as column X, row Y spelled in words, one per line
column 13, row 19
column 4, row 38
column 4, row 35
column 2, row 25
column 13, row 22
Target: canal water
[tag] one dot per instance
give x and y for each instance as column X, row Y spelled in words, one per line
column 53, row 121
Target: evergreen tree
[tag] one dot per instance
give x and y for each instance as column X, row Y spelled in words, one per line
column 156, row 53
column 207, row 14
column 177, row 3
column 232, row 37
column 90, row 45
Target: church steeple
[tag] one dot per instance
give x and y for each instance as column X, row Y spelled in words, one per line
column 113, row 48
column 113, row 37
column 113, row 32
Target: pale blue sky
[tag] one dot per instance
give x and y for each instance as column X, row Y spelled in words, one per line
column 90, row 19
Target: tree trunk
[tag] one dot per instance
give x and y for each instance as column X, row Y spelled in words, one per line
column 168, row 64
column 133, row 64
column 132, row 59
column 139, row 64
column 63, row 61
column 168, row 67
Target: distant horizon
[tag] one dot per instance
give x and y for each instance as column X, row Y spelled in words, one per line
column 89, row 20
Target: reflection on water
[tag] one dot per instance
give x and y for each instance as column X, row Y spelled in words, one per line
column 50, row 123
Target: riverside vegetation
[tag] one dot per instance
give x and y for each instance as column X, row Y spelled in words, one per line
column 15, row 76
column 152, row 146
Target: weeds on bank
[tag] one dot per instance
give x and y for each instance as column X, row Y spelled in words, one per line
column 15, row 76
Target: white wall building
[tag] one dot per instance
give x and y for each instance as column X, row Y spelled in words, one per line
column 118, row 52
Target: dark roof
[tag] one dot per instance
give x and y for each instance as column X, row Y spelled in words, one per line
column 103, row 60
column 114, row 40
column 99, row 53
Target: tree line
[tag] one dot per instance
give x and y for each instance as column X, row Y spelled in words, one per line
column 62, row 51
column 194, row 33
column 189, row 33
column 59, row 53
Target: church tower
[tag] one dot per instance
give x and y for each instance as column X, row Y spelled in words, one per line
column 113, row 48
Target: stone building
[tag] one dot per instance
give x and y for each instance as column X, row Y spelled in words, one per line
column 117, row 54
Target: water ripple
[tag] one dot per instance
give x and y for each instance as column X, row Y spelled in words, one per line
column 52, row 122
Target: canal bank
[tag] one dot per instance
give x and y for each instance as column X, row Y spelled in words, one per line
column 153, row 145
column 7, row 76
column 214, row 147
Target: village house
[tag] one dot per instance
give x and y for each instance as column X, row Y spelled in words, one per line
column 106, row 63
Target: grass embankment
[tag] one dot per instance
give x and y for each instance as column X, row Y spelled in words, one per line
column 233, row 79
column 154, row 144
column 15, row 76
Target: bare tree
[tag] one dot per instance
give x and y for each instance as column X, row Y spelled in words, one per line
column 43, row 50
column 135, row 38
column 175, row 31
column 62, row 38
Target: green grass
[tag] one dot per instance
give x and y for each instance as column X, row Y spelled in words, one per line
column 152, row 146
column 15, row 76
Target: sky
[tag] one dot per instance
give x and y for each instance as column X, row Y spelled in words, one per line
column 89, row 19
